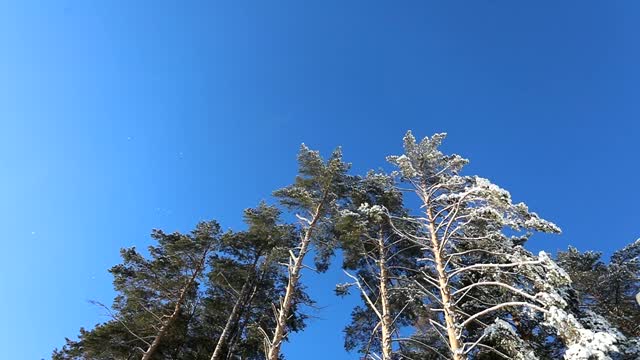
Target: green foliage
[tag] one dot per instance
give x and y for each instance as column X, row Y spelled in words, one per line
column 318, row 193
column 608, row 289
column 147, row 292
column 319, row 184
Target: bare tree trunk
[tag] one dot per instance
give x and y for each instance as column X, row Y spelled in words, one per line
column 279, row 333
column 385, row 321
column 176, row 310
column 443, row 284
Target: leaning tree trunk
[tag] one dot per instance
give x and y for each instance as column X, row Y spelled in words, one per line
column 166, row 325
column 283, row 312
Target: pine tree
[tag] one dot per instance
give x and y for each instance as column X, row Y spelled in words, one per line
column 621, row 283
column 248, row 271
column 382, row 261
column 476, row 272
column 155, row 302
column 315, row 197
column 609, row 291
column 586, row 270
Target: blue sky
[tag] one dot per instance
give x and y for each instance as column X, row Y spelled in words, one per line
column 117, row 117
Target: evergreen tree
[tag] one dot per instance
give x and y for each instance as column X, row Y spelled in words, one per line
column 155, row 301
column 585, row 269
column 315, row 196
column 476, row 272
column 609, row 289
column 248, row 270
column 382, row 260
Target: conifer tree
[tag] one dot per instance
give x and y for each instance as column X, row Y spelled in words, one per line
column 248, row 271
column 315, row 197
column 609, row 290
column 155, row 300
column 475, row 267
column 383, row 262
column 618, row 289
column 187, row 257
column 586, row 269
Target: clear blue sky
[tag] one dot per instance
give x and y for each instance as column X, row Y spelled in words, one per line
column 117, row 117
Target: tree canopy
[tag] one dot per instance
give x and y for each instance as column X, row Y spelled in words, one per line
column 438, row 258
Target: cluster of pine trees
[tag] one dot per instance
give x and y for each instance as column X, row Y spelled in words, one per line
column 445, row 278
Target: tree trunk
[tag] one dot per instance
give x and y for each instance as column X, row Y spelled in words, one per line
column 386, row 321
column 443, row 285
column 294, row 275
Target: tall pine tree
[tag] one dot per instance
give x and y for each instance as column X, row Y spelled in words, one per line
column 476, row 272
column 382, row 262
column 315, row 197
